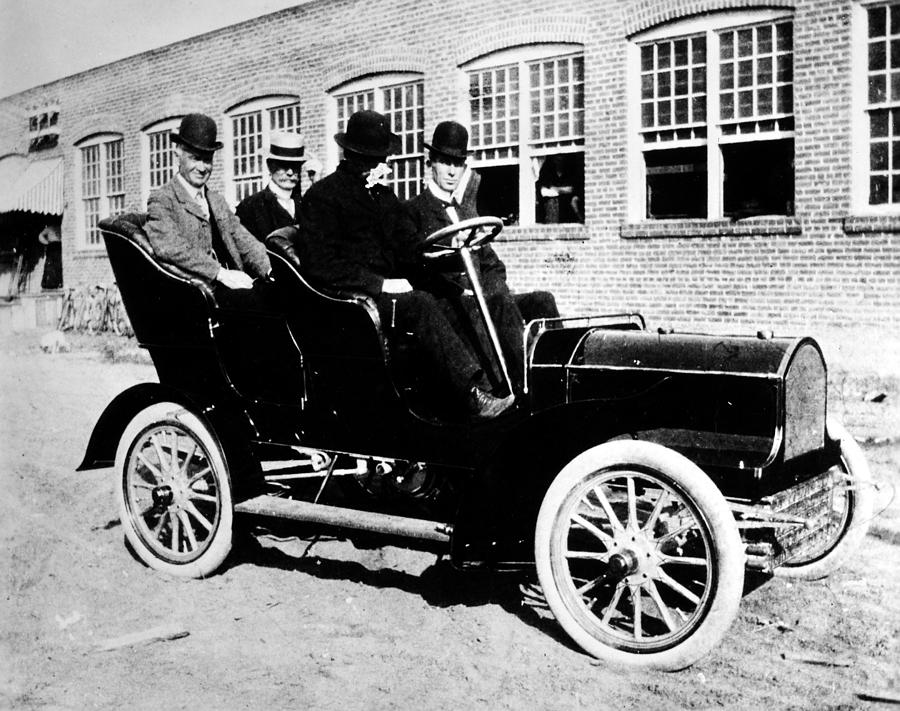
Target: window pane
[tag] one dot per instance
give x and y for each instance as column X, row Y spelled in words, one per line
column 490, row 122
column 878, row 159
column 878, row 190
column 759, row 178
column 498, row 192
column 676, row 183
column 877, row 56
column 560, row 108
column 877, row 88
column 682, row 78
column 877, row 21
column 560, row 189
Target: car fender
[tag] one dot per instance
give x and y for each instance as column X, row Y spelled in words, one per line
column 230, row 425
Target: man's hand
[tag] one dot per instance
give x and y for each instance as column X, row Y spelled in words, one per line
column 234, row 279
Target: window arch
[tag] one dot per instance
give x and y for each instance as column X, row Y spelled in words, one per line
column 400, row 96
column 526, row 114
column 99, row 184
column 247, row 130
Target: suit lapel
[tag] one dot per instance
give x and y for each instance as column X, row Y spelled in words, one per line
column 275, row 204
column 187, row 200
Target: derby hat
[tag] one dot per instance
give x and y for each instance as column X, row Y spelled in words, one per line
column 368, row 134
column 450, row 139
column 285, row 146
column 197, row 131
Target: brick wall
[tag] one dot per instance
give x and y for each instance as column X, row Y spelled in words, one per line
column 823, row 267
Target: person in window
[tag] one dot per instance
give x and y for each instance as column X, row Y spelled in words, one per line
column 353, row 234
column 450, row 196
column 192, row 227
column 559, row 195
column 276, row 205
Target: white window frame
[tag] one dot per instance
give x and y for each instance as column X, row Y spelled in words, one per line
column 83, row 236
column 710, row 26
column 164, row 127
column 264, row 106
column 860, row 139
column 374, row 88
column 530, row 152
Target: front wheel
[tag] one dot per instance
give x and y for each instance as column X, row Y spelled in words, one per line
column 174, row 492
column 852, row 503
column 639, row 556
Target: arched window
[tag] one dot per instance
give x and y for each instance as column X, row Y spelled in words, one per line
column 100, row 184
column 526, row 114
column 712, row 117
column 247, row 130
column 158, row 161
column 401, row 98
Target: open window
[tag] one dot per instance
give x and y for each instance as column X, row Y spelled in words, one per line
column 526, row 112
column 714, row 118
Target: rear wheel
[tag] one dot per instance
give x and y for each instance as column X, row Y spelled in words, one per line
column 852, row 503
column 174, row 492
column 639, row 556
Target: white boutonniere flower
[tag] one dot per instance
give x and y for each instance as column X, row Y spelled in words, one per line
column 378, row 175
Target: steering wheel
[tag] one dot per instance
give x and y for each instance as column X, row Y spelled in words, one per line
column 450, row 239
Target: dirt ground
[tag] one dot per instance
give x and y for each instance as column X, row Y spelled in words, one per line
column 344, row 628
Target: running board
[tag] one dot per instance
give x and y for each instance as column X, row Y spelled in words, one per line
column 346, row 518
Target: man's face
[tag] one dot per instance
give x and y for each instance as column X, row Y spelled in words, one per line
column 446, row 172
column 285, row 174
column 194, row 166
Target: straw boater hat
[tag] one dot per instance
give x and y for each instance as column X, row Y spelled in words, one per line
column 197, row 131
column 286, row 147
column 368, row 134
column 450, row 139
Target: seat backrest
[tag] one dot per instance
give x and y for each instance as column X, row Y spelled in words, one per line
column 324, row 324
column 166, row 306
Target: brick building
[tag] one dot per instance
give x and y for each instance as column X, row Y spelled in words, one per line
column 733, row 163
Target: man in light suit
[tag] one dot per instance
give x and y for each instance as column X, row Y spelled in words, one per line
column 447, row 199
column 277, row 204
column 193, row 227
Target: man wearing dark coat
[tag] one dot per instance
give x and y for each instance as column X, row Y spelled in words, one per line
column 275, row 206
column 192, row 227
column 448, row 199
column 353, row 234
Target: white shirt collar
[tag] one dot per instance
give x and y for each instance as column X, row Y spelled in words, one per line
column 440, row 193
column 192, row 190
column 279, row 192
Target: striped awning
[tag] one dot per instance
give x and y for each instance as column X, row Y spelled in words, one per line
column 39, row 188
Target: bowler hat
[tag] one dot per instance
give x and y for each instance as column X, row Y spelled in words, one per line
column 368, row 134
column 450, row 139
column 286, row 146
column 197, row 131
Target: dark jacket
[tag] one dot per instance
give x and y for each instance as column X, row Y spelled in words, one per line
column 182, row 235
column 262, row 214
column 429, row 214
column 351, row 238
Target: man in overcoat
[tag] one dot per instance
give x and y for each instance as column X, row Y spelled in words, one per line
column 353, row 234
column 275, row 205
column 448, row 199
column 193, row 227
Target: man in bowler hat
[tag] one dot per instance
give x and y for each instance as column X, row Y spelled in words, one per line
column 275, row 205
column 193, row 228
column 449, row 197
column 354, row 234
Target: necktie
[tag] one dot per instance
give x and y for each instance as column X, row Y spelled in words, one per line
column 201, row 201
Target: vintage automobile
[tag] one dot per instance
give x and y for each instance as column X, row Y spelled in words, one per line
column 641, row 473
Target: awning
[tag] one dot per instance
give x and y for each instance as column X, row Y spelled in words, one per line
column 39, row 188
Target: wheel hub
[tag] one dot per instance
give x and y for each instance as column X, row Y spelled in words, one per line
column 637, row 558
column 162, row 496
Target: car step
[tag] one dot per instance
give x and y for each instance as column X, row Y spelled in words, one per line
column 346, row 518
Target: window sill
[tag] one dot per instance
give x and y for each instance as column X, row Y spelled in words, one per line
column 89, row 252
column 766, row 225
column 860, row 224
column 540, row 233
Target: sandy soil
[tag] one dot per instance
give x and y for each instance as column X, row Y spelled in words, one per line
column 343, row 628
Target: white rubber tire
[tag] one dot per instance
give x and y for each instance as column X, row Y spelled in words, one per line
column 724, row 551
column 216, row 528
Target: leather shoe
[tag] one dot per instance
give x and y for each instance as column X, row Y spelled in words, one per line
column 486, row 406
